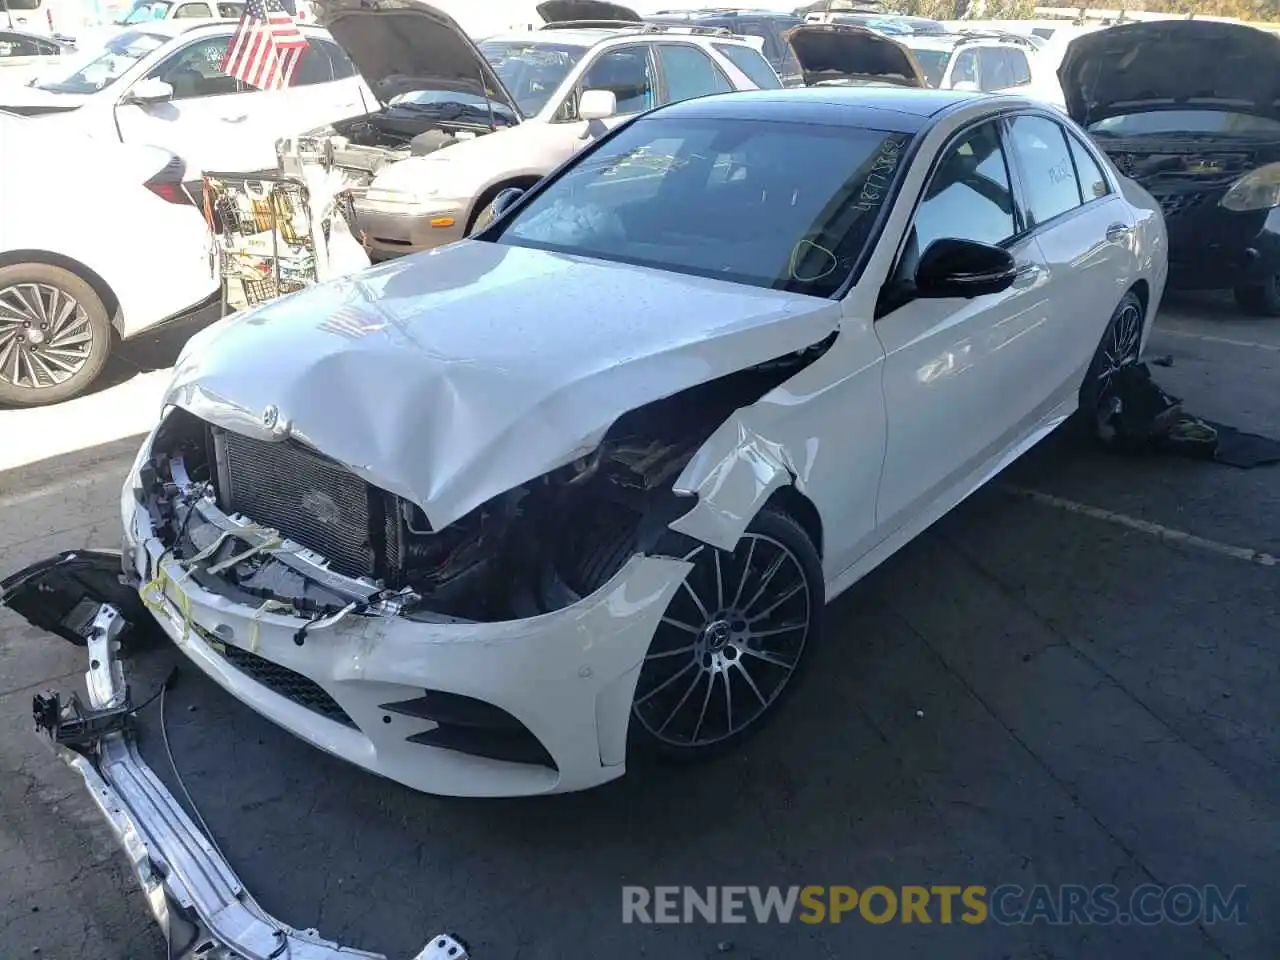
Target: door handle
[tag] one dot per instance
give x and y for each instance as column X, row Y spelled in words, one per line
column 1117, row 232
column 237, row 118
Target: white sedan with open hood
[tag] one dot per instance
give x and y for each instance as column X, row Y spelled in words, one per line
column 487, row 519
column 460, row 123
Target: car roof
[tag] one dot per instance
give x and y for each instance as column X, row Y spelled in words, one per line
column 720, row 14
column 590, row 36
column 896, row 109
column 180, row 28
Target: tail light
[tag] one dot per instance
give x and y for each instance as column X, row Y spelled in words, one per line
column 167, row 183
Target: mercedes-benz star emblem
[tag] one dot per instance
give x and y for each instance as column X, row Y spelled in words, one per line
column 270, row 417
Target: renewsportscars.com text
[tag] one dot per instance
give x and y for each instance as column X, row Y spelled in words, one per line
column 942, row 904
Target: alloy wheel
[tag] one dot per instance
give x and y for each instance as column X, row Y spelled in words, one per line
column 728, row 645
column 45, row 335
column 1121, row 345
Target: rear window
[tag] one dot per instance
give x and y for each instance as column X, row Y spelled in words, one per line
column 21, row 5
column 753, row 64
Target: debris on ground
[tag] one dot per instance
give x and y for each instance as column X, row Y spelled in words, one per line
column 1136, row 416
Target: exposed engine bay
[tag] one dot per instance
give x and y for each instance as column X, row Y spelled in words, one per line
column 361, row 146
column 277, row 524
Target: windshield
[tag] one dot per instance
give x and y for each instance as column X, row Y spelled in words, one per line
column 145, row 10
column 98, row 69
column 531, row 71
column 1163, row 123
column 783, row 205
column 933, row 63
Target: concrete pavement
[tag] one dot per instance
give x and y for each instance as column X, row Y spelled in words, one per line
column 1034, row 692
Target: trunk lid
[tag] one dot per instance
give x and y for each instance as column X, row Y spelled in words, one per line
column 1171, row 65
column 403, row 46
column 840, row 51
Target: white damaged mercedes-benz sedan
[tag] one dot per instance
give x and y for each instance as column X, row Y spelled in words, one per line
column 490, row 519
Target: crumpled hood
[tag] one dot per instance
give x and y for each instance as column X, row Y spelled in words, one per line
column 456, row 375
column 400, row 46
column 841, row 51
column 1171, row 64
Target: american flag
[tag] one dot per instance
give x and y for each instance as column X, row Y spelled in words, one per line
column 266, row 47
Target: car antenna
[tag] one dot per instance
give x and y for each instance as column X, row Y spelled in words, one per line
column 484, row 88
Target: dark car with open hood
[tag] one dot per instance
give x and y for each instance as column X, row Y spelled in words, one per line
column 1190, row 109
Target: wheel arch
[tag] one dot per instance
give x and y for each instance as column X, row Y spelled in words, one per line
column 523, row 181
column 110, row 301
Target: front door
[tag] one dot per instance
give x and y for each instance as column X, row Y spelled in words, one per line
column 213, row 121
column 961, row 377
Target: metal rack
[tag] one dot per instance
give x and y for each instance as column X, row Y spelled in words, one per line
column 263, row 234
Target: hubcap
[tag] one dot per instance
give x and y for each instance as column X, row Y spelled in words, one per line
column 45, row 336
column 1120, row 348
column 729, row 643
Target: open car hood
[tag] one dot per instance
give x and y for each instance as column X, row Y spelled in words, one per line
column 564, row 11
column 403, row 45
column 1171, row 64
column 840, row 51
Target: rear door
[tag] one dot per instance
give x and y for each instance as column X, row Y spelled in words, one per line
column 687, row 72
column 1085, row 230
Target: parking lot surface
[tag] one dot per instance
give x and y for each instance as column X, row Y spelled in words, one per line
column 1055, row 685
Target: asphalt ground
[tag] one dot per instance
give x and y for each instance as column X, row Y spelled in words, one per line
column 1055, row 685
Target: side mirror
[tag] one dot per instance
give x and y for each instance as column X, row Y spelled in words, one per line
column 966, row 86
column 963, row 268
column 505, row 200
column 597, row 105
column 150, row 90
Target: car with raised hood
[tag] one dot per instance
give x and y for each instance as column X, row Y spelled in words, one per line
column 1189, row 109
column 837, row 54
column 460, row 122
column 489, row 519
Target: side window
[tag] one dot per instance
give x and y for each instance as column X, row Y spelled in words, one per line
column 196, row 70
column 969, row 196
column 232, row 11
column 15, row 46
column 1019, row 68
column 755, row 66
column 994, row 69
column 192, row 11
column 689, row 72
column 965, row 69
column 338, row 60
column 1044, row 158
column 314, row 67
column 625, row 71
column 1093, row 185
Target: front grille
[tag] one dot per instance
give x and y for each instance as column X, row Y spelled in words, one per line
column 288, row 684
column 308, row 498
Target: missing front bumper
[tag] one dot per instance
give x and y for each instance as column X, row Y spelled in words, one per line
column 195, row 896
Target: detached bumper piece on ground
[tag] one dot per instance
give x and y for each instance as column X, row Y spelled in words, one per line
column 199, row 902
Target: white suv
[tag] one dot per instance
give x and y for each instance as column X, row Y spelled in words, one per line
column 461, row 123
column 992, row 63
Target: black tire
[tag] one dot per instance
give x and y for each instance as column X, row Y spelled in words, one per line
column 1119, row 347
column 1260, row 300
column 33, row 303
column 704, row 663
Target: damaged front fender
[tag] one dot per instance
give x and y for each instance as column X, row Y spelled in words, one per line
column 191, row 889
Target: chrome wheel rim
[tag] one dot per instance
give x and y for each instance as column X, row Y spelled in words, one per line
column 45, row 336
column 728, row 645
column 1120, row 348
